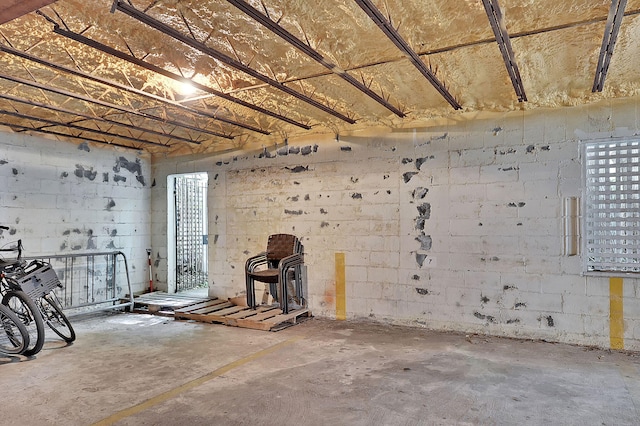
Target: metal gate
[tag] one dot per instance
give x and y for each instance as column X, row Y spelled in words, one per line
column 191, row 231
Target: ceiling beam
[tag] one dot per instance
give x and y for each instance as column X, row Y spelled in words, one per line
column 12, row 9
column 504, row 43
column 176, row 77
column 119, row 86
column 614, row 21
column 23, row 128
column 370, row 9
column 75, row 126
column 96, row 118
column 234, row 63
column 312, row 53
column 109, row 105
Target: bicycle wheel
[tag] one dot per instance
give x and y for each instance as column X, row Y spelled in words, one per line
column 55, row 319
column 14, row 337
column 29, row 315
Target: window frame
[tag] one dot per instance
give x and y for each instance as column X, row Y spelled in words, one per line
column 614, row 146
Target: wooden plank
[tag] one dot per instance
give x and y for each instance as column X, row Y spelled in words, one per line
column 248, row 312
column 231, row 310
column 209, row 309
column 287, row 317
column 256, row 321
column 204, row 304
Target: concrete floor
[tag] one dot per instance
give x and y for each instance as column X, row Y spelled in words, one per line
column 133, row 369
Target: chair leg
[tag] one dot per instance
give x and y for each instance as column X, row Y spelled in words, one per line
column 251, row 294
column 284, row 294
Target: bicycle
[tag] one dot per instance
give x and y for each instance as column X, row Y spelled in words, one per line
column 14, row 337
column 27, row 290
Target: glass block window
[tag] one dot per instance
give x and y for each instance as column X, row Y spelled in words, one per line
column 612, row 206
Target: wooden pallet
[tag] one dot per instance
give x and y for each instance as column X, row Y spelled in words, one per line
column 223, row 312
column 160, row 303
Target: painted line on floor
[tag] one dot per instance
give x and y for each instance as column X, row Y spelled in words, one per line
column 158, row 399
column 616, row 313
column 341, row 296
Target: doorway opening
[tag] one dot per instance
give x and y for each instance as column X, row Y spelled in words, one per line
column 187, row 233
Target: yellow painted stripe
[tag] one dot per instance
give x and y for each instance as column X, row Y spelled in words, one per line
column 616, row 315
column 192, row 384
column 341, row 292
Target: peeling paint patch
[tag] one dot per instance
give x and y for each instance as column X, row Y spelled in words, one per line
column 298, row 169
column 105, row 177
column 354, row 179
column 420, row 258
column 283, row 151
column 293, row 212
column 419, row 193
column 215, row 239
column 505, row 152
column 545, row 148
column 307, row 197
column 356, row 196
column 421, row 161
column 3, row 162
column 118, row 178
column 266, row 154
column 519, row 305
column 519, row 204
column 64, row 175
column 134, row 167
column 496, row 130
column 425, row 242
column 489, row 318
column 490, row 259
column 407, row 160
column 416, row 277
column 509, row 287
column 508, row 169
column 81, row 172
column 14, row 171
column 422, row 291
column 513, row 321
column 110, row 204
column 323, row 211
column 420, row 223
column 530, row 149
column 324, row 224
column 424, row 210
column 294, row 150
column 408, row 175
column 548, row 319
column 309, row 149
column 84, row 146
column 484, row 299
column 345, row 148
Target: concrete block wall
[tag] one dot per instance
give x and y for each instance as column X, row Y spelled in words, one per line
column 456, row 226
column 64, row 198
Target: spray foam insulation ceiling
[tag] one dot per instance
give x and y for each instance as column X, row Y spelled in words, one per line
column 176, row 77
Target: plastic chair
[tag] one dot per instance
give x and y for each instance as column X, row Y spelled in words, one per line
column 284, row 257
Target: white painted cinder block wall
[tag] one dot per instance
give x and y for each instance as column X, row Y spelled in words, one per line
column 64, row 198
column 453, row 227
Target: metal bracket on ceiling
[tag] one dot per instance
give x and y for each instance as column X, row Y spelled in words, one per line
column 175, row 34
column 311, row 52
column 502, row 38
column 385, row 25
column 614, row 21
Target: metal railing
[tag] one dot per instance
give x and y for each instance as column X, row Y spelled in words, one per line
column 91, row 280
